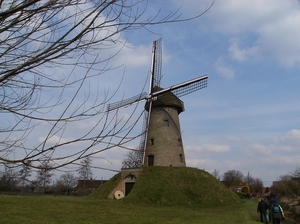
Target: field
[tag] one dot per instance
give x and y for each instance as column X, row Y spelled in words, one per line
column 49, row 209
column 189, row 196
column 22, row 209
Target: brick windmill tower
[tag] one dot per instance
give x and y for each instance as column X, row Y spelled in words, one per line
column 161, row 141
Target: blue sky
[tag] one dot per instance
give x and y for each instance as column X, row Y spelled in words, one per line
column 248, row 117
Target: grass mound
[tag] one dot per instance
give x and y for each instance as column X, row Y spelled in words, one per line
column 104, row 190
column 179, row 186
column 174, row 186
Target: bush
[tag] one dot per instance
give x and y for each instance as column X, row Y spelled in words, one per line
column 240, row 194
column 286, row 188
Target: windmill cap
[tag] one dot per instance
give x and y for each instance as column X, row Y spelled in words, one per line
column 166, row 99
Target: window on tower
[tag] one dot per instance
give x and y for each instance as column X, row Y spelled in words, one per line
column 152, row 141
column 166, row 123
column 181, row 158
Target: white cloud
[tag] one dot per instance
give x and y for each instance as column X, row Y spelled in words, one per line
column 208, row 148
column 257, row 149
column 292, row 138
column 280, row 39
column 266, row 160
column 233, row 16
column 54, row 139
column 242, row 54
column 223, row 69
column 135, row 56
column 261, row 29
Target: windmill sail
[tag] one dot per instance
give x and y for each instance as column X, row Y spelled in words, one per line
column 126, row 102
column 155, row 77
column 190, row 86
column 144, row 128
column 157, row 64
column 184, row 88
column 155, row 73
column 161, row 104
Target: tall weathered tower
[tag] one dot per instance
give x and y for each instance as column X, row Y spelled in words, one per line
column 164, row 142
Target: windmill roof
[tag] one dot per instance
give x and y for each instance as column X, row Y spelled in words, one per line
column 166, row 99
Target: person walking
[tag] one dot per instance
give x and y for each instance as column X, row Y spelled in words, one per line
column 276, row 213
column 262, row 208
column 267, row 212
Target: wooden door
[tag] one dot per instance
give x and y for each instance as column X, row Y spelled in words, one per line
column 128, row 188
column 150, row 160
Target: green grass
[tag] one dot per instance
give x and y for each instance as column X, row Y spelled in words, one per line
column 47, row 209
column 174, row 186
column 167, row 195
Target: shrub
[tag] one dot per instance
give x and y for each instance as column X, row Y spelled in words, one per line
column 286, row 188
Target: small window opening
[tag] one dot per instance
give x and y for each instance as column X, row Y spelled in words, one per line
column 152, row 141
column 181, row 158
column 179, row 141
column 166, row 123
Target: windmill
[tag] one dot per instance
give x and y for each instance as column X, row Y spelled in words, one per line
column 161, row 140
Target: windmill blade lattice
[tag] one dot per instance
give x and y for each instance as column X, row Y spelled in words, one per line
column 190, row 87
column 126, row 102
column 184, row 88
column 144, row 128
column 157, row 65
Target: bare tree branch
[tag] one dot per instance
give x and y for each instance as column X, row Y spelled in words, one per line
column 53, row 55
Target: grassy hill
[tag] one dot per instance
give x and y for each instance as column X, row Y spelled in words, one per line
column 173, row 186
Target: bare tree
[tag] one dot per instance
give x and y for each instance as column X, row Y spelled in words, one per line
column 24, row 174
column 231, row 177
column 49, row 50
column 249, row 179
column 257, row 186
column 134, row 159
column 216, row 174
column 9, row 179
column 286, row 186
column 68, row 181
column 296, row 173
column 44, row 175
column 85, row 171
column 286, row 177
